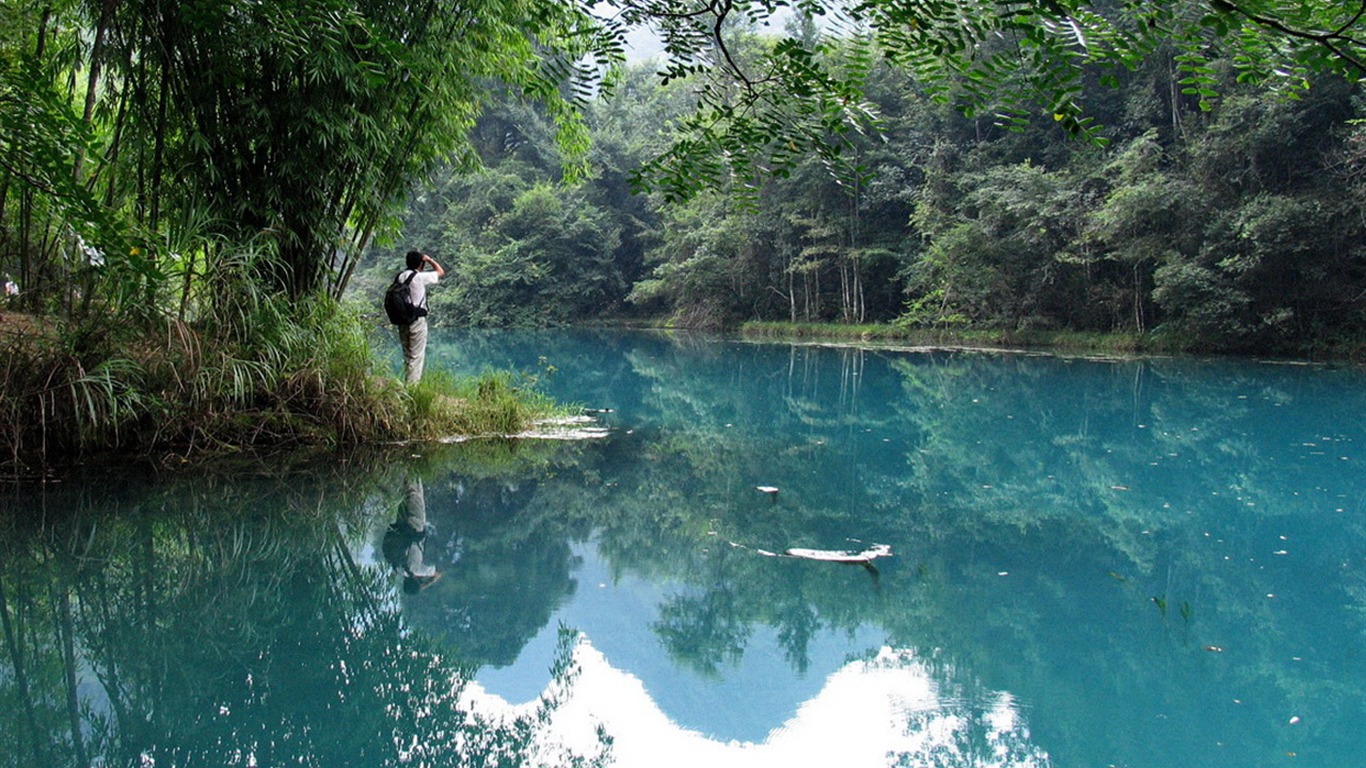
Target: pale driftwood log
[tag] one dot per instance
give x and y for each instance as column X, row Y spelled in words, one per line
column 840, row 556
column 864, row 557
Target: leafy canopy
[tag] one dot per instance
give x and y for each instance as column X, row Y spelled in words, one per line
column 304, row 122
column 760, row 112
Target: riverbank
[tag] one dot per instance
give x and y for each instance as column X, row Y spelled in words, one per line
column 1061, row 340
column 1342, row 351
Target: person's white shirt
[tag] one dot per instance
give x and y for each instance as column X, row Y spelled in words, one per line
column 417, row 289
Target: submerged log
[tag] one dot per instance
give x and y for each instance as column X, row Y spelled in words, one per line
column 861, row 557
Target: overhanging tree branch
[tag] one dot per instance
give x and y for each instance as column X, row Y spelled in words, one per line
column 1336, row 41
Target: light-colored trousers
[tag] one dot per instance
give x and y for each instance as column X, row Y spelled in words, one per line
column 415, row 516
column 413, row 337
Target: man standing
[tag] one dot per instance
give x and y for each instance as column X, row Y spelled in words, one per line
column 413, row 336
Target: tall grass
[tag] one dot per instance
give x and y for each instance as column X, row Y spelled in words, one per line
column 240, row 368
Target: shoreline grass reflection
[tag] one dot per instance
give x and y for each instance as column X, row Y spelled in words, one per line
column 225, row 623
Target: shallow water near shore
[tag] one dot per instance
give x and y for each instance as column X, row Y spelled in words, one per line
column 1150, row 562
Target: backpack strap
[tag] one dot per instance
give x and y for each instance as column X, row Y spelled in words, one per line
column 408, row 284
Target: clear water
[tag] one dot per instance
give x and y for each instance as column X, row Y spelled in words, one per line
column 1095, row 563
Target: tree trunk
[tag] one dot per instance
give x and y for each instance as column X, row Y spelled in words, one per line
column 73, row 709
column 20, row 676
column 93, row 81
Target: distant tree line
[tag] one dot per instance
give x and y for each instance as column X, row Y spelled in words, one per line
column 1230, row 218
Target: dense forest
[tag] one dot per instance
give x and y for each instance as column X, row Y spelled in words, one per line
column 1232, row 222
column 187, row 190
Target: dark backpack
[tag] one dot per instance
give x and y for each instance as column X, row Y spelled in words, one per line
column 398, row 301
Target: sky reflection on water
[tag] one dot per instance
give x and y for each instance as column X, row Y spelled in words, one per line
column 885, row 710
column 1155, row 558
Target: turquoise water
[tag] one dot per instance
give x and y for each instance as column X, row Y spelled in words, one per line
column 1094, row 563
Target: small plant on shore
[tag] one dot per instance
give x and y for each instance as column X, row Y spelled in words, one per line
column 495, row 403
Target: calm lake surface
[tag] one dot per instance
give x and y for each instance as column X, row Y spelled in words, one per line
column 1093, row 563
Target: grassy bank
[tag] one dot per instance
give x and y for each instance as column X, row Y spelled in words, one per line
column 269, row 378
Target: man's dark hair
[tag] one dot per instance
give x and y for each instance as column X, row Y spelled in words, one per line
column 414, row 259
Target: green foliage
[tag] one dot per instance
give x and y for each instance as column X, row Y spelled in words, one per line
column 350, row 101
column 522, row 246
column 1202, row 302
column 1007, row 62
column 296, row 122
column 939, row 222
column 743, row 131
column 551, row 252
column 40, row 140
column 954, row 281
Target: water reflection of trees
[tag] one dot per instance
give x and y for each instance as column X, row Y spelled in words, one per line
column 1133, row 507
column 214, row 622
column 1049, row 519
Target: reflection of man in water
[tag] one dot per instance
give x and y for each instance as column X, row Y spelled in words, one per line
column 403, row 541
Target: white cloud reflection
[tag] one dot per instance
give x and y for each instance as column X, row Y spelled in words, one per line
column 885, row 711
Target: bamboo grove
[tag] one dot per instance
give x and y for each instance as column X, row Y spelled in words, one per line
column 184, row 185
